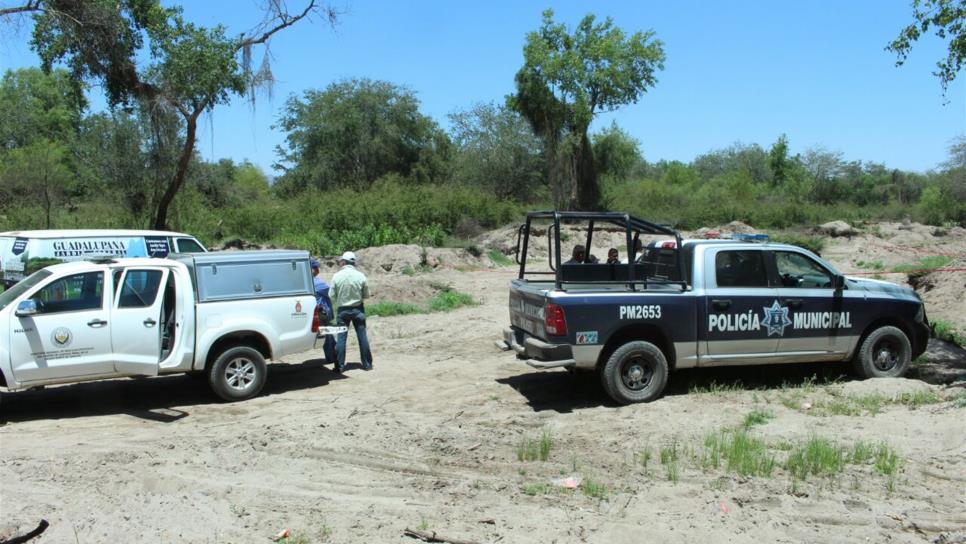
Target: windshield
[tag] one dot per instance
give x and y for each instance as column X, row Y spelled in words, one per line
column 22, row 287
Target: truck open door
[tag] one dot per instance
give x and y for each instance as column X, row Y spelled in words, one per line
column 137, row 320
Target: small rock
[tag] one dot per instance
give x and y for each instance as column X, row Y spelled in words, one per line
column 837, row 229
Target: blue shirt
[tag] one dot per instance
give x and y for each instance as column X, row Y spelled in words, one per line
column 322, row 294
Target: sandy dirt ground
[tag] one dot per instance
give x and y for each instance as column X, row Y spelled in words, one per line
column 429, row 440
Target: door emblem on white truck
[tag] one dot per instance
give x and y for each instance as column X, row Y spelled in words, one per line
column 61, row 337
column 776, row 319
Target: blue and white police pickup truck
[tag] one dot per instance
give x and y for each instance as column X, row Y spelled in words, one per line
column 676, row 303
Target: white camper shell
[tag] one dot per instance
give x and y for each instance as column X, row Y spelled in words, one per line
column 23, row 252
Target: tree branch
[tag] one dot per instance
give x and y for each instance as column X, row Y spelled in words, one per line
column 31, row 5
column 286, row 21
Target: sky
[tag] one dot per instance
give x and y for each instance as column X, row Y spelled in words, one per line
column 736, row 71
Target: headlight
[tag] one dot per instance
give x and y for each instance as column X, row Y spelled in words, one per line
column 921, row 313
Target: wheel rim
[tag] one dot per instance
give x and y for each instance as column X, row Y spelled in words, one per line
column 240, row 373
column 636, row 373
column 886, row 354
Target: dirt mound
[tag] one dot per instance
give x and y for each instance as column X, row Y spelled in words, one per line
column 888, row 387
column 836, row 229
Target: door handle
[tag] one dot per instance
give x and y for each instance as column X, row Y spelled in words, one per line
column 720, row 304
column 793, row 302
column 150, row 322
column 96, row 323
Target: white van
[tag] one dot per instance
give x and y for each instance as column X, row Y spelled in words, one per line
column 23, row 252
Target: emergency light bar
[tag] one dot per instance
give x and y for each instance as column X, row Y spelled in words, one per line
column 762, row 238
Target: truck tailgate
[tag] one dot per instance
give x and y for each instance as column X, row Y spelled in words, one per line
column 527, row 308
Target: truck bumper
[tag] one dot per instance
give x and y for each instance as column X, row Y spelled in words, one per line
column 538, row 354
column 920, row 339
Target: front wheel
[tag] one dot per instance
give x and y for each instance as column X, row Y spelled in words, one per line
column 635, row 372
column 238, row 373
column 885, row 353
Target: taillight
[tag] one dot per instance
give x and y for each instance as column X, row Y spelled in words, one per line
column 316, row 319
column 669, row 245
column 555, row 320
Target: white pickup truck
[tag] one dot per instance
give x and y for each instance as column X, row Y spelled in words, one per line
column 221, row 314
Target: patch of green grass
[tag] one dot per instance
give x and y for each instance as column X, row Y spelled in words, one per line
column 448, row 300
column 871, row 265
column 537, row 489
column 817, row 456
column 931, row 262
column 716, row 388
column 872, row 404
column 815, row 244
column 944, row 330
column 739, row 452
column 887, row 461
column 861, row 452
column 423, row 524
column 915, row 399
column 533, row 449
column 644, row 458
column 669, row 458
column 757, row 417
column 389, row 308
column 499, row 258
column 960, row 399
column 593, row 489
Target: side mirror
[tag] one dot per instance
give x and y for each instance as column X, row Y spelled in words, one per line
column 838, row 282
column 26, row 308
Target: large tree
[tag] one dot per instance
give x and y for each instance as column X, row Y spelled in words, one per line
column 354, row 132
column 947, row 19
column 567, row 78
column 146, row 54
column 498, row 151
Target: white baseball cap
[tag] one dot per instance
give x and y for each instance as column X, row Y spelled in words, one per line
column 348, row 256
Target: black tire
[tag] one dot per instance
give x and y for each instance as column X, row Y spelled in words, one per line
column 238, row 373
column 635, row 372
column 885, row 353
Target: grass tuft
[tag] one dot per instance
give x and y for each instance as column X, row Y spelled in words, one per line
column 817, row 456
column 593, row 489
column 757, row 417
column 739, row 451
column 389, row 308
column 669, row 458
column 944, row 330
column 931, row 262
column 499, row 258
column 449, row 299
column 533, row 449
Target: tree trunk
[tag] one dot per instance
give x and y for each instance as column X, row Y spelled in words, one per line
column 161, row 217
column 585, row 195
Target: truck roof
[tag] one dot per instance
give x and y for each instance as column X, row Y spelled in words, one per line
column 81, row 266
column 89, row 233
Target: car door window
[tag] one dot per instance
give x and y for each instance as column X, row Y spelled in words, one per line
column 140, row 289
column 740, row 269
column 187, row 245
column 797, row 270
column 71, row 294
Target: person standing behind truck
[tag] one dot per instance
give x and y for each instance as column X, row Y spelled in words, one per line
column 349, row 289
column 324, row 304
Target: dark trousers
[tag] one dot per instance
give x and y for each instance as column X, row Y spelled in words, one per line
column 355, row 315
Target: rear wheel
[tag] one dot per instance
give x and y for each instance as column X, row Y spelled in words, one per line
column 635, row 372
column 238, row 373
column 885, row 353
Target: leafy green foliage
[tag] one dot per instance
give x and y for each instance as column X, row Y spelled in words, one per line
column 390, row 308
column 931, row 262
column 945, row 330
column 498, row 151
column 947, row 18
column 449, row 299
column 356, row 131
column 617, row 153
column 566, row 79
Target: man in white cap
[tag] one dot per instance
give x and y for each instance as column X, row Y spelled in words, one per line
column 349, row 289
